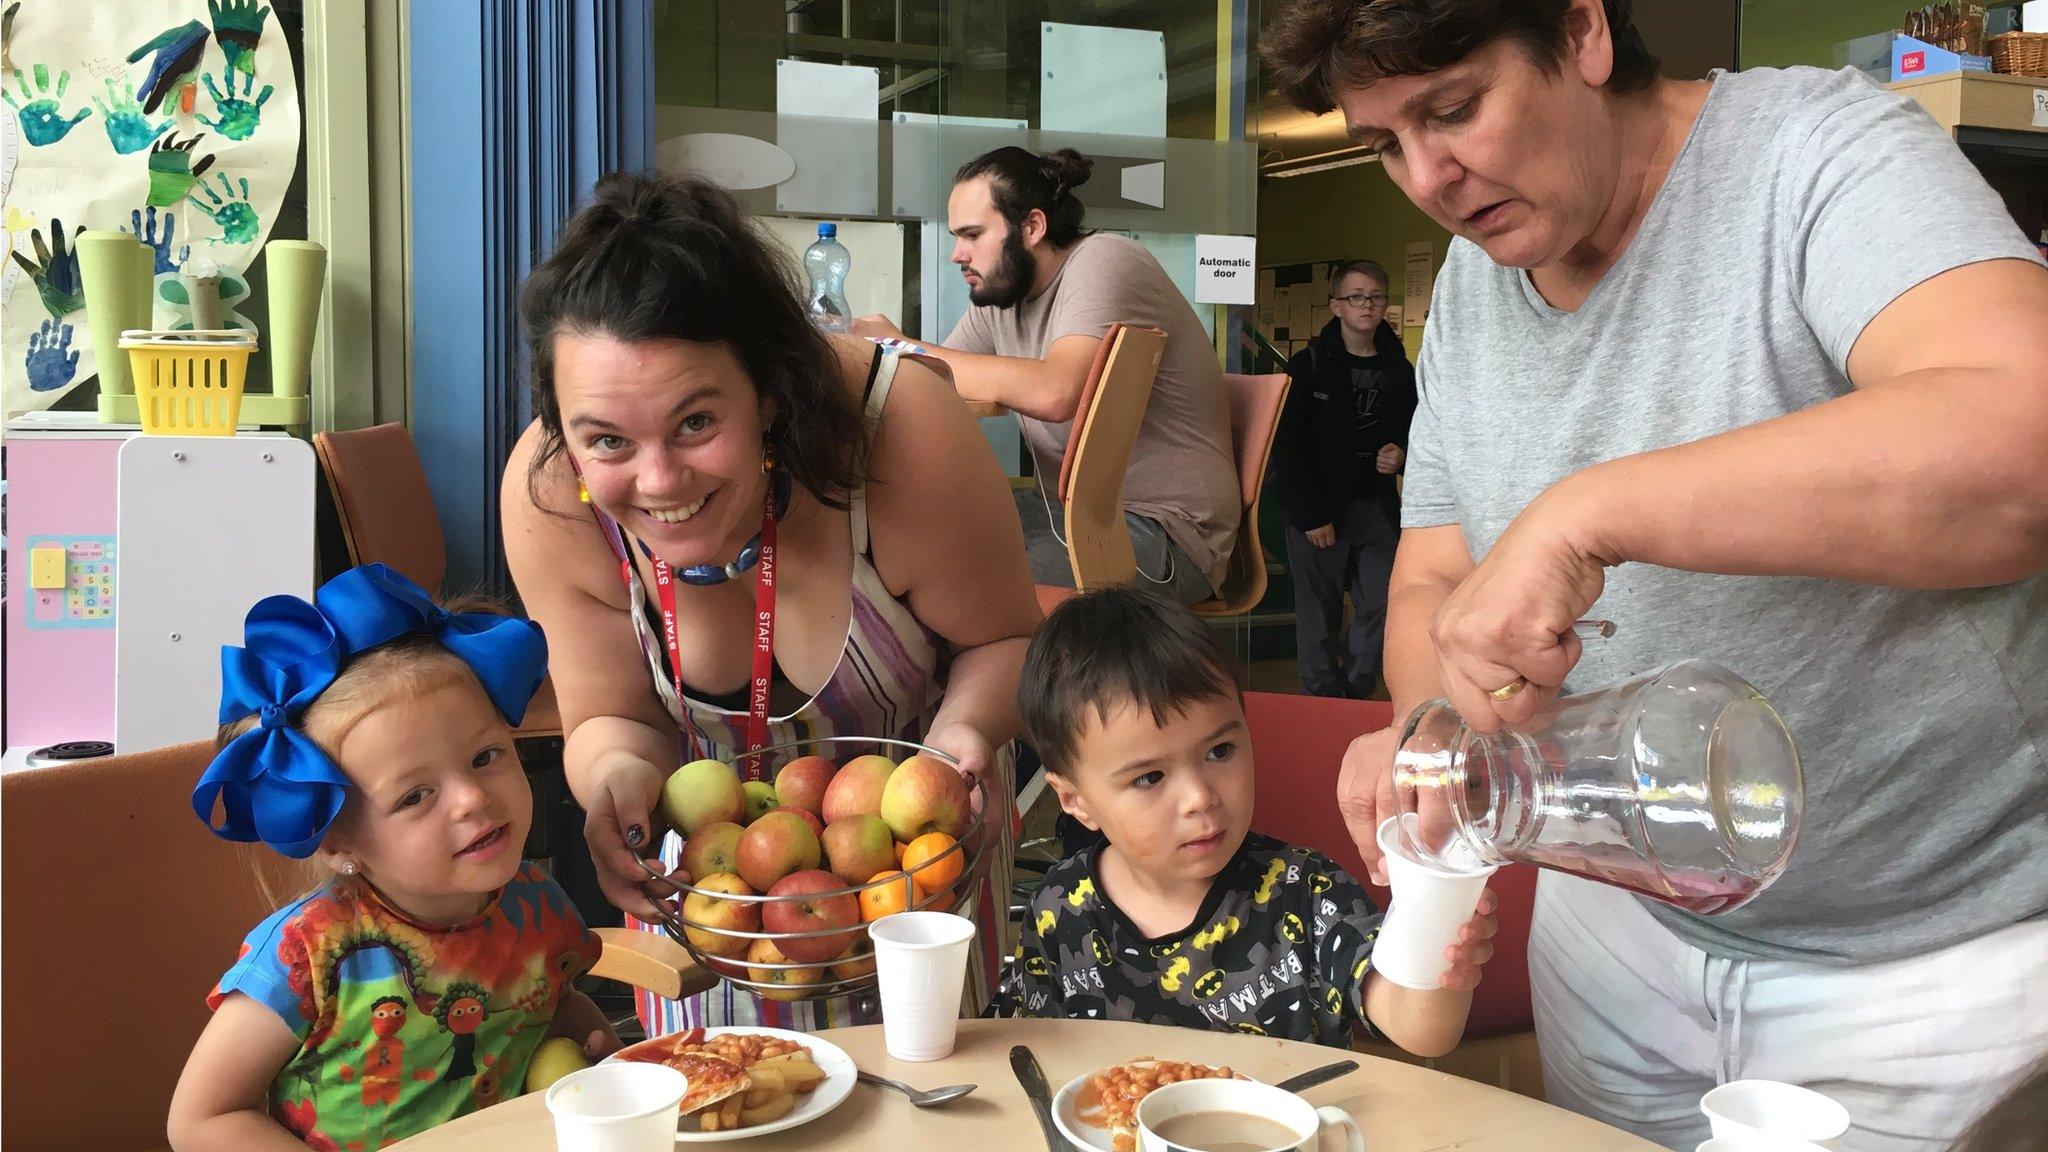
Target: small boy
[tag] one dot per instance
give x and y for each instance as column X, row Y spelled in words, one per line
column 1185, row 916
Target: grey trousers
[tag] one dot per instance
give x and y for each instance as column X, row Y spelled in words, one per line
column 1335, row 661
column 1162, row 566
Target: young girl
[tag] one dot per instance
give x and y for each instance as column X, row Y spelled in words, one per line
column 371, row 731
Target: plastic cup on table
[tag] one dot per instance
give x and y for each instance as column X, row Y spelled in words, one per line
column 1745, row 1109
column 624, row 1106
column 921, row 967
column 1430, row 905
column 1758, row 1144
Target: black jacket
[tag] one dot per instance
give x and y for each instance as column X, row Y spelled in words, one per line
column 1317, row 466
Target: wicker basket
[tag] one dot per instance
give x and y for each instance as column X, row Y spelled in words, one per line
column 2020, row 53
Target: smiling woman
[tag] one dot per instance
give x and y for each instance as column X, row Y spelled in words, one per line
column 695, row 435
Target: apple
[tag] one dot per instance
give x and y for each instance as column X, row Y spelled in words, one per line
column 859, row 961
column 761, row 798
column 765, row 952
column 702, row 911
column 712, row 850
column 805, row 910
column 857, row 847
column 554, row 1059
column 857, row 788
column 811, row 818
column 925, row 795
column 802, row 783
column 702, row 793
column 775, row 846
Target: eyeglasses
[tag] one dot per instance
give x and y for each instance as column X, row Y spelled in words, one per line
column 1364, row 299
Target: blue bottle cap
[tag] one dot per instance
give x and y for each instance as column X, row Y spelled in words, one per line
column 828, row 231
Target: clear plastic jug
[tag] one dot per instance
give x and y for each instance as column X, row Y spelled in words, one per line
column 1682, row 784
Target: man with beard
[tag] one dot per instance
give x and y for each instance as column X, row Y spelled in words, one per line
column 1045, row 292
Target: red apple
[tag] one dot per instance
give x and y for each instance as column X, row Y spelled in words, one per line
column 774, row 846
column 857, row 788
column 765, row 952
column 807, row 911
column 702, row 911
column 925, row 795
column 713, row 850
column 857, row 847
column 811, row 818
column 802, row 783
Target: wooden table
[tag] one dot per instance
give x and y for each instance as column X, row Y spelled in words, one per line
column 1401, row 1107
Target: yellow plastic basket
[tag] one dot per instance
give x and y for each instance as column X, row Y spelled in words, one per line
column 189, row 383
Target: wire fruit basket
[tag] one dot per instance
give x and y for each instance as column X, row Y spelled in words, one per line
column 946, row 881
column 189, row 383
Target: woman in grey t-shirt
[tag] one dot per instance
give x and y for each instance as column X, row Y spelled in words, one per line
column 1759, row 368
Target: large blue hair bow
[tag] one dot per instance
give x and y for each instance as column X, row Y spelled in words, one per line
column 273, row 783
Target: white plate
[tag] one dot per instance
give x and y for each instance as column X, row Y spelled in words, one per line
column 1066, row 1113
column 829, row 1094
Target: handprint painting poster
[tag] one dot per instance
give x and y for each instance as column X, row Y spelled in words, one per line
column 175, row 120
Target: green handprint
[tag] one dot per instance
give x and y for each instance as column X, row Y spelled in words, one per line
column 235, row 117
column 127, row 128
column 41, row 122
column 51, row 361
column 238, row 26
column 55, row 271
column 171, row 170
column 232, row 211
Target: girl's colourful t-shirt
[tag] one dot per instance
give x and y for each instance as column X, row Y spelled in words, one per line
column 404, row 1025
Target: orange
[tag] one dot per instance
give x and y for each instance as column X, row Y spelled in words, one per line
column 884, row 899
column 899, row 852
column 930, row 864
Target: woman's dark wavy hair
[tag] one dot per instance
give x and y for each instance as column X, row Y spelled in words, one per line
column 653, row 256
column 1020, row 180
column 1315, row 49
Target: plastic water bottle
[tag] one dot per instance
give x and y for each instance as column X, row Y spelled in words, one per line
column 826, row 263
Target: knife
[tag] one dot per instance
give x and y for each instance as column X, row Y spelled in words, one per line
column 1315, row 1076
column 1032, row 1077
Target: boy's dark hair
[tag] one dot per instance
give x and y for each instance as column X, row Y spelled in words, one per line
column 1020, row 180
column 1111, row 647
column 1370, row 268
column 1317, row 48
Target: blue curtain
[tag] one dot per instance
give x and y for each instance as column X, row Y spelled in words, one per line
column 517, row 107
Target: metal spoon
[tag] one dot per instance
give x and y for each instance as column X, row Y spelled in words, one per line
column 922, row 1099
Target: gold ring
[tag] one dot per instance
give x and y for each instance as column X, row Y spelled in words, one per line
column 1509, row 690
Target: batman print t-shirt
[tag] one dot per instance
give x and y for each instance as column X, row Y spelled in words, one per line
column 1281, row 948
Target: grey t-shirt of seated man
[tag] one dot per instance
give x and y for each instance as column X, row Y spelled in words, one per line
column 1802, row 204
column 1181, row 487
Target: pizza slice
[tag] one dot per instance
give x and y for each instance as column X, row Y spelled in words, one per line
column 712, row 1079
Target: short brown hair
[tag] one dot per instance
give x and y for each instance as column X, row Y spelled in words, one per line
column 1316, row 48
column 1111, row 648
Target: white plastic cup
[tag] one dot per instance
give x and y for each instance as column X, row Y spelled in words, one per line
column 1770, row 1108
column 1430, row 906
column 921, row 966
column 623, row 1106
column 1758, row 1144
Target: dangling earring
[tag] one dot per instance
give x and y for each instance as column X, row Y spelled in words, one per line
column 767, row 460
column 582, row 492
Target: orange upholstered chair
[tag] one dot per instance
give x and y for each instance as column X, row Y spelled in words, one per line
column 1298, row 745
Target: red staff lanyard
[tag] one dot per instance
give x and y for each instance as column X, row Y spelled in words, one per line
column 764, row 640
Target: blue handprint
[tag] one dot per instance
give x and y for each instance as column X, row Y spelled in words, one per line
column 236, row 117
column 41, row 122
column 51, row 362
column 127, row 128
column 165, row 262
column 229, row 209
column 55, row 270
column 238, row 26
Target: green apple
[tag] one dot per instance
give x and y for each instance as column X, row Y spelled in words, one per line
column 702, row 793
column 554, row 1059
column 761, row 798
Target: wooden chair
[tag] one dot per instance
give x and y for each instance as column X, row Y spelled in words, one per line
column 387, row 517
column 1255, row 404
column 119, row 914
column 1298, row 744
column 1098, row 453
